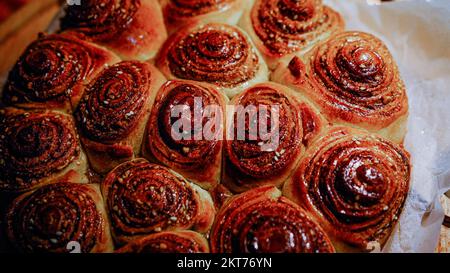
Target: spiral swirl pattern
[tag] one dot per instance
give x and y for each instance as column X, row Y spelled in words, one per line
column 246, row 161
column 114, row 102
column 214, row 53
column 101, row 20
column 261, row 221
column 185, row 155
column 50, row 69
column 54, row 215
column 168, row 242
column 34, row 145
column 286, row 26
column 178, row 9
column 144, row 198
column 355, row 73
column 357, row 182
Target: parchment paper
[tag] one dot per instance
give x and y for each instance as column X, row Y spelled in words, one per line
column 418, row 35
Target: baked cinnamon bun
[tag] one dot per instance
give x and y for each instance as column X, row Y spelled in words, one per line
column 282, row 27
column 355, row 82
column 112, row 114
column 52, row 71
column 144, row 198
column 58, row 216
column 134, row 29
column 183, row 12
column 354, row 184
column 37, row 148
column 168, row 242
column 214, row 53
column 262, row 221
column 197, row 154
column 254, row 157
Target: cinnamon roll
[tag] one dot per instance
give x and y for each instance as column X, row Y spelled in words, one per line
column 355, row 185
column 182, row 12
column 262, row 221
column 134, row 29
column 355, row 81
column 168, row 242
column 112, row 114
column 197, row 155
column 214, row 53
column 255, row 157
column 58, row 216
column 282, row 27
column 37, row 148
column 144, row 198
column 51, row 72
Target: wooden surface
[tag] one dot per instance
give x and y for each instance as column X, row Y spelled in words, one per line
column 23, row 27
column 444, row 242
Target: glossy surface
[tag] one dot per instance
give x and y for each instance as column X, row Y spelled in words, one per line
column 144, row 198
column 285, row 26
column 213, row 53
column 52, row 70
column 114, row 101
column 101, row 20
column 168, row 242
column 51, row 217
column 198, row 156
column 261, row 221
column 34, row 146
column 356, row 185
column 248, row 163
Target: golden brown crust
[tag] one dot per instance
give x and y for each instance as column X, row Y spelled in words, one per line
column 179, row 13
column 37, row 148
column 281, row 27
column 354, row 81
column 262, row 221
column 354, row 184
column 214, row 53
column 144, row 198
column 198, row 158
column 134, row 29
column 113, row 112
column 168, row 242
column 47, row 219
column 246, row 164
column 52, row 71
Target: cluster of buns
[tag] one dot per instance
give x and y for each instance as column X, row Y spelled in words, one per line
column 86, row 148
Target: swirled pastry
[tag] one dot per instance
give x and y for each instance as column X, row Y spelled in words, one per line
column 183, row 12
column 253, row 157
column 354, row 184
column 113, row 112
column 52, row 71
column 134, row 29
column 282, row 27
column 355, row 82
column 214, row 53
column 262, row 221
column 168, row 242
column 144, row 198
column 196, row 152
column 53, row 217
column 37, row 148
